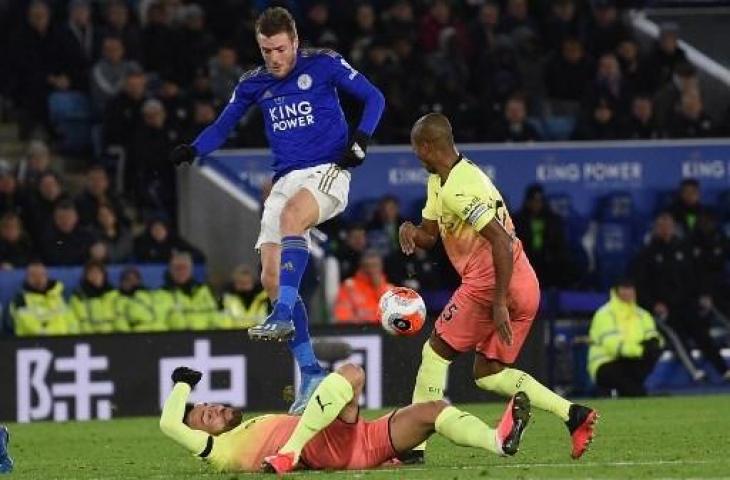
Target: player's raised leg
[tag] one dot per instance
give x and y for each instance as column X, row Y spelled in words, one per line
column 6, row 463
column 299, row 214
column 311, row 373
column 336, row 396
column 496, row 377
column 412, row 425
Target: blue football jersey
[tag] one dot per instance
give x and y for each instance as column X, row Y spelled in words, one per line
column 305, row 125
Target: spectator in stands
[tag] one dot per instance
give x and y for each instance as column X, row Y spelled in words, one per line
column 79, row 42
column 203, row 115
column 517, row 16
column 625, row 343
column 667, row 54
column 667, row 98
column 135, row 305
column 433, row 23
column 542, row 234
column 563, row 22
column 117, row 23
column 363, row 33
column 383, row 228
column 691, row 121
column 65, row 241
column 16, row 249
column 667, row 286
column 158, row 244
column 12, row 198
column 609, row 83
column 190, row 305
column 39, row 308
column 399, row 19
column 110, row 72
column 96, row 193
column 687, row 206
column 175, row 102
column 710, row 250
column 115, row 236
column 244, row 300
column 605, row 30
column 420, row 271
column 514, row 127
column 642, row 124
column 154, row 176
column 39, row 214
column 34, row 165
column 569, row 73
column 194, row 44
column 93, row 302
column 124, row 112
column 601, row 123
column 358, row 297
column 159, row 40
column 36, row 66
column 318, row 29
column 485, row 27
column 224, row 74
column 634, row 69
column 348, row 255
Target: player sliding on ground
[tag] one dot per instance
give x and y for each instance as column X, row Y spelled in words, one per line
column 296, row 91
column 492, row 310
column 330, row 434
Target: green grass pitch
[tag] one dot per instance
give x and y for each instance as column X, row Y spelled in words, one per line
column 667, row 437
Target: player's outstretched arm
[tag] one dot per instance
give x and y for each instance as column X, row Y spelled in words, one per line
column 423, row 236
column 216, row 133
column 171, row 421
column 501, row 242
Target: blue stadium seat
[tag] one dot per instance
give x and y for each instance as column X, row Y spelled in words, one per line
column 70, row 114
column 614, row 246
column 616, row 207
column 558, row 127
column 723, row 205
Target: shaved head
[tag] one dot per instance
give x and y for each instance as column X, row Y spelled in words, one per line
column 433, row 142
column 433, row 128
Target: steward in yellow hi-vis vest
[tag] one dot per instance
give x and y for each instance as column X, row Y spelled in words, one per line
column 93, row 303
column 625, row 343
column 185, row 303
column 244, row 301
column 136, row 304
column 39, row 308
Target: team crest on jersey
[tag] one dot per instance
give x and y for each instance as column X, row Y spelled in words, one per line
column 304, row 82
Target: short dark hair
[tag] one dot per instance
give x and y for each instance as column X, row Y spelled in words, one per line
column 276, row 20
column 690, row 182
column 188, row 408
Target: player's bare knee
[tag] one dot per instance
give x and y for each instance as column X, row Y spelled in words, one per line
column 484, row 367
column 353, row 374
column 431, row 410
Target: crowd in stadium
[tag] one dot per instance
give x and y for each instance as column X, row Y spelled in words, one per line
column 156, row 72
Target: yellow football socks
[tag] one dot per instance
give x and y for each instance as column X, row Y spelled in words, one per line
column 323, row 408
column 510, row 381
column 466, row 430
column 431, row 379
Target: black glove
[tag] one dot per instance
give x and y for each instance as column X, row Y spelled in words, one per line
column 355, row 153
column 186, row 375
column 183, row 154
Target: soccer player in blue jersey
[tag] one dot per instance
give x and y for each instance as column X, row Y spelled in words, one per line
column 308, row 135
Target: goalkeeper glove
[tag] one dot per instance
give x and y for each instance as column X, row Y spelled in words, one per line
column 355, row 153
column 186, row 375
column 183, row 154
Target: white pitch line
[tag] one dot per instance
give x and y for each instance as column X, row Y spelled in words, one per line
column 405, row 469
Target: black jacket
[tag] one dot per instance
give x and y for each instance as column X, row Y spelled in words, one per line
column 664, row 273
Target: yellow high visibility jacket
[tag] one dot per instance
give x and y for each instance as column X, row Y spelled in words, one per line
column 245, row 312
column 189, row 307
column 42, row 312
column 139, row 311
column 617, row 330
column 95, row 311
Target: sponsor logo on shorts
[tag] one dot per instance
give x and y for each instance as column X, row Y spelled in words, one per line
column 325, row 183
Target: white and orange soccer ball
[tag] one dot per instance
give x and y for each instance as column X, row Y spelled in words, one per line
column 402, row 311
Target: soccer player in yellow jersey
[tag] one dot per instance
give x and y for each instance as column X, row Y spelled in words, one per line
column 330, row 434
column 492, row 310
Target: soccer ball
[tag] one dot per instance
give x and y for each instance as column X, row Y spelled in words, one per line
column 402, row 311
